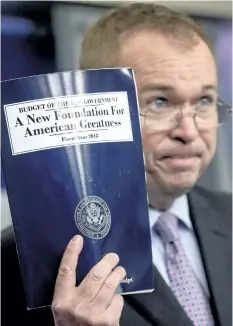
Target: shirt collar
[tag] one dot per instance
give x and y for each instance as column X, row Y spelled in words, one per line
column 179, row 208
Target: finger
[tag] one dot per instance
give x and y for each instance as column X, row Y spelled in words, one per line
column 66, row 278
column 112, row 314
column 106, row 293
column 62, row 312
column 97, row 275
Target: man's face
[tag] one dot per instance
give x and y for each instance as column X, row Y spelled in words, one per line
column 167, row 74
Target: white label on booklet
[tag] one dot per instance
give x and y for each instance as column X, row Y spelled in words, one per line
column 68, row 120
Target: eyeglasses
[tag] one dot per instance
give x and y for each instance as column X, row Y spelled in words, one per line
column 206, row 117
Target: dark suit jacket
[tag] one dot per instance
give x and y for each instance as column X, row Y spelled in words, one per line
column 211, row 216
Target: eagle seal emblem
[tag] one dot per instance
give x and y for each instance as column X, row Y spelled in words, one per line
column 92, row 217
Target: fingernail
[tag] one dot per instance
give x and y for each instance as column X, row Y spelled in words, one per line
column 114, row 256
column 77, row 239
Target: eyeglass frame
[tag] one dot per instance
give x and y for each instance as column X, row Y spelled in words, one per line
column 220, row 103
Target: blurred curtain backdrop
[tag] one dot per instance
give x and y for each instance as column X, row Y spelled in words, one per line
column 19, row 58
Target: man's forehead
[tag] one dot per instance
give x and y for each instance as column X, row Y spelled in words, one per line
column 155, row 45
column 170, row 88
column 161, row 65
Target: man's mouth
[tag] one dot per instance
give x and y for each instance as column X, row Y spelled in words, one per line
column 180, row 156
column 180, row 160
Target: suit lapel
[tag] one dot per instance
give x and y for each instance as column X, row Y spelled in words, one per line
column 212, row 235
column 159, row 307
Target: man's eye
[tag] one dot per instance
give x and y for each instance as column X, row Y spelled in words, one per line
column 159, row 102
column 205, row 100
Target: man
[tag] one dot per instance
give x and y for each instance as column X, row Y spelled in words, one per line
column 176, row 80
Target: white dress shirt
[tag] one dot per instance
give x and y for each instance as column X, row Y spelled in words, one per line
column 180, row 209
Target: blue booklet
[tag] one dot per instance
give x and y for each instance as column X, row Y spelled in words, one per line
column 73, row 164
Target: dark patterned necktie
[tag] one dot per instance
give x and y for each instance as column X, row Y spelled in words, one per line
column 184, row 283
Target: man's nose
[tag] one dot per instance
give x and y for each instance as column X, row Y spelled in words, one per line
column 186, row 129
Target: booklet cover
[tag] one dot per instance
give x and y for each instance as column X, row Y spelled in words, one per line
column 73, row 164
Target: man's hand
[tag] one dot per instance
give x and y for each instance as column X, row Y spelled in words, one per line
column 94, row 301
